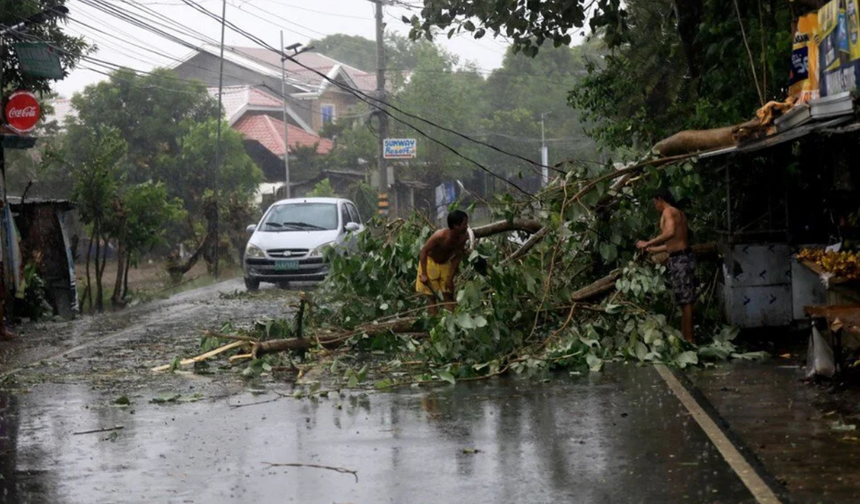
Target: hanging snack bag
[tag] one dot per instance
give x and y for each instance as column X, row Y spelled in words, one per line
column 803, row 81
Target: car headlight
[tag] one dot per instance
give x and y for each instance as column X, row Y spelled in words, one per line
column 320, row 251
column 254, row 251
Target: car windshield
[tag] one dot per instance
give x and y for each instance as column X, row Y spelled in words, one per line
column 301, row 217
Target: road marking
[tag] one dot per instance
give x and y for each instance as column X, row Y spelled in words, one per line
column 98, row 341
column 760, row 490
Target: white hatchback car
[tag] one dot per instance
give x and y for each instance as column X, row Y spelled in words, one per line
column 288, row 243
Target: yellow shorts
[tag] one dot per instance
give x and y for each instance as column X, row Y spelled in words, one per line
column 438, row 275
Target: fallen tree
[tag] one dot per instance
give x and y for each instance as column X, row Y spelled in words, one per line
column 574, row 294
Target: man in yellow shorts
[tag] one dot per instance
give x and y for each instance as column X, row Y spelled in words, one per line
column 440, row 259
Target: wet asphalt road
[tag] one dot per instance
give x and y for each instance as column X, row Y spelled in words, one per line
column 613, row 437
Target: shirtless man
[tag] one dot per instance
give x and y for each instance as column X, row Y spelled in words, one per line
column 440, row 259
column 682, row 263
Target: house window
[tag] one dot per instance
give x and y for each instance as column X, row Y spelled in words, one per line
column 327, row 112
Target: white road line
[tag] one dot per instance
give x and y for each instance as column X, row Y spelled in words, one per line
column 760, row 490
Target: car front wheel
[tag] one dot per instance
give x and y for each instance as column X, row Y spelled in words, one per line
column 252, row 284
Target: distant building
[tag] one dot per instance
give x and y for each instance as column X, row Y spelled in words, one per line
column 314, row 99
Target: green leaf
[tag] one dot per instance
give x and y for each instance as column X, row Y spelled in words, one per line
column 465, row 321
column 594, row 362
column 165, row 397
column 641, row 350
column 608, row 252
column 353, row 381
column 122, row 401
column 480, row 321
column 382, row 384
column 448, row 377
column 688, row 358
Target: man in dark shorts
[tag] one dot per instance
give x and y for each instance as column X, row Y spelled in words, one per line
column 673, row 239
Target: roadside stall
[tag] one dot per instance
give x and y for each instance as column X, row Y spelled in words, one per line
column 792, row 189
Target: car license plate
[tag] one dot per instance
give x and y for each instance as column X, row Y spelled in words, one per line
column 286, row 265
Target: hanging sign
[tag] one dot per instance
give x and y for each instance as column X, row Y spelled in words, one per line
column 22, row 111
column 39, row 60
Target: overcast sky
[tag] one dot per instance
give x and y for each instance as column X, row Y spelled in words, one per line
column 300, row 20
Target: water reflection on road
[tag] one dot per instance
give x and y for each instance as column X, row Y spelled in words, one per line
column 617, row 436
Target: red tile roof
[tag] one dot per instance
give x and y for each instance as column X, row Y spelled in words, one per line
column 270, row 133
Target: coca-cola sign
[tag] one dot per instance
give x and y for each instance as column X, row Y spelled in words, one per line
column 22, row 111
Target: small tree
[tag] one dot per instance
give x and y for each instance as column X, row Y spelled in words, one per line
column 96, row 183
column 322, row 189
column 145, row 211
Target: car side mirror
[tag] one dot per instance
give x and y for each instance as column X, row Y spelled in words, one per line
column 251, row 228
column 352, row 227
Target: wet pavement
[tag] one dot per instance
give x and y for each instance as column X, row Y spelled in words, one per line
column 805, row 434
column 619, row 436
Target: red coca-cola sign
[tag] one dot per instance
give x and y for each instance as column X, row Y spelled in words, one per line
column 22, row 111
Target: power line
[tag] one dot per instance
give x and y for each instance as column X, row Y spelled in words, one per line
column 363, row 97
column 292, row 6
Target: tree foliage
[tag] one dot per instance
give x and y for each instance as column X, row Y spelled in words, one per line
column 528, row 25
column 153, row 112
column 170, row 128
column 70, row 48
column 360, row 52
column 642, row 91
column 95, row 193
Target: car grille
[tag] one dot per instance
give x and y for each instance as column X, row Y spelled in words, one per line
column 287, row 253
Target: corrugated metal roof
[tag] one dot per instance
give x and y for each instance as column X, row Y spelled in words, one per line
column 16, row 200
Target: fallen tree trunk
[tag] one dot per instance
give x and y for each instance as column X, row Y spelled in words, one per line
column 597, row 288
column 527, row 225
column 692, row 141
column 528, row 245
column 333, row 340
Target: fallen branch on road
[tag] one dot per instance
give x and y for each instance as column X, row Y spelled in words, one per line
column 202, row 357
column 334, row 340
column 96, row 431
column 316, row 466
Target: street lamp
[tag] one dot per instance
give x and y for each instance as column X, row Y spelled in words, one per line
column 295, row 50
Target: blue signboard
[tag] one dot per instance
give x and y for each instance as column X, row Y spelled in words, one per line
column 399, row 148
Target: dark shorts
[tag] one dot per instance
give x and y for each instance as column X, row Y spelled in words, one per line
column 682, row 276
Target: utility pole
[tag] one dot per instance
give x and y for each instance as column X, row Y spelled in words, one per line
column 286, row 132
column 381, row 111
column 218, row 135
column 544, row 153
